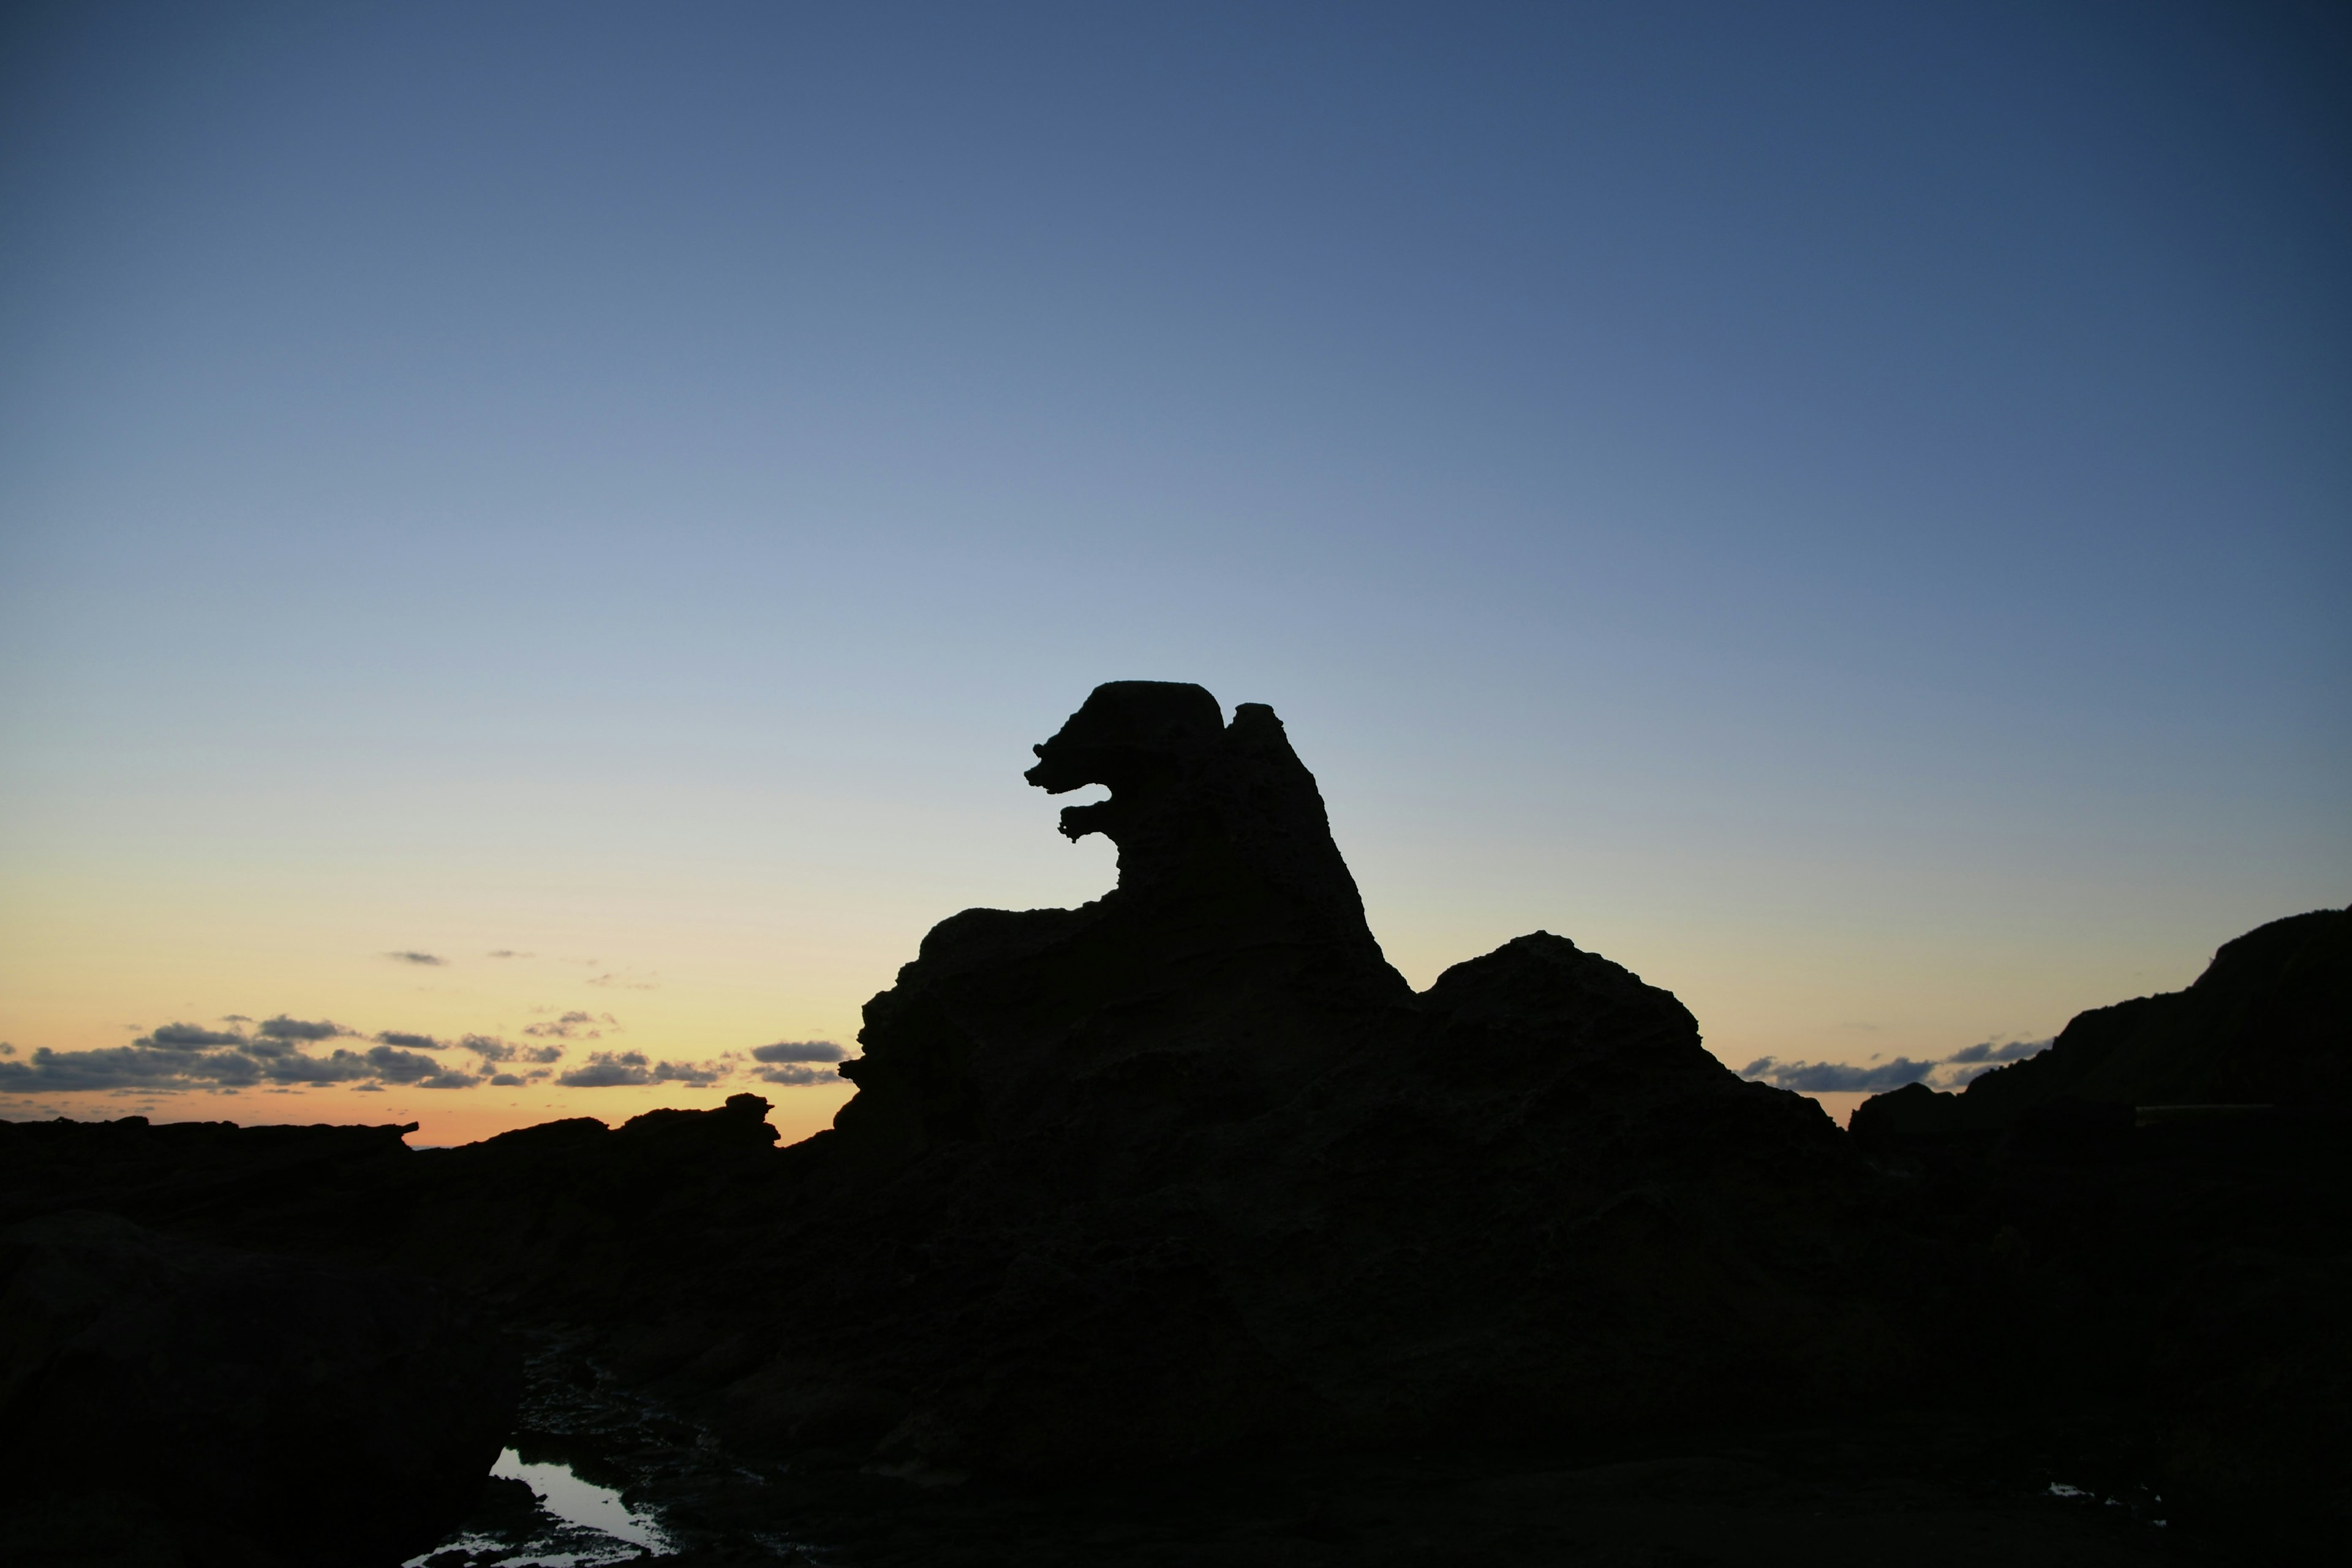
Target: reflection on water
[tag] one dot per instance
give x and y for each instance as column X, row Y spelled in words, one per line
column 577, row 1525
column 576, row 1501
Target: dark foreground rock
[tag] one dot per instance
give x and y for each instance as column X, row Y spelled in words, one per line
column 2146, row 1231
column 190, row 1403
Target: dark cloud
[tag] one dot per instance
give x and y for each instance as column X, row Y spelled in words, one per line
column 797, row 1075
column 505, row 953
column 186, row 1037
column 282, row 1027
column 1833, row 1078
column 608, row 1069
column 239, row 1062
column 288, row 1065
column 2015, row 1050
column 434, row 960
column 235, row 1018
column 282, row 1053
column 396, row 1066
column 1829, row 1078
column 800, row 1051
column 127, row 1066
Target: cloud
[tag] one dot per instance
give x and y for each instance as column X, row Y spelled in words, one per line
column 396, row 1066
column 342, row 1067
column 432, row 960
column 1831, row 1077
column 608, row 1070
column 617, row 981
column 491, row 1049
column 185, row 1038
column 575, row 1026
column 127, row 1066
column 2015, row 1050
column 235, row 1018
column 282, row 1027
column 280, row 1053
column 797, row 1075
column 505, row 953
column 800, row 1051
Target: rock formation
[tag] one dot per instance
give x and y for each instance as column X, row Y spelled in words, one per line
column 1191, row 1174
column 1192, row 1170
column 2267, row 1027
column 2142, row 1228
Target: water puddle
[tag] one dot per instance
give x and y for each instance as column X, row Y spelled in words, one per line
column 576, row 1501
column 576, row 1524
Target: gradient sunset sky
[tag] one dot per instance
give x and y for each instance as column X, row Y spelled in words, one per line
column 558, row 523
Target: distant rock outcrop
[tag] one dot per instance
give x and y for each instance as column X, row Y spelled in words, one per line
column 2269, row 1024
column 2144, row 1228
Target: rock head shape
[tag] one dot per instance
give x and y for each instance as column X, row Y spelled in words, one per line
column 1192, row 1168
column 1232, row 909
column 1203, row 809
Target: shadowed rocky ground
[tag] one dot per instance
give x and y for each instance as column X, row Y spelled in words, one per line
column 1178, row 1228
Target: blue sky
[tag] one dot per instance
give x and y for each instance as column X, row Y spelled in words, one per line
column 1843, row 508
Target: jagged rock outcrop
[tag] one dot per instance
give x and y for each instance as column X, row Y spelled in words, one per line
column 2268, row 1024
column 234, row 1408
column 2146, row 1227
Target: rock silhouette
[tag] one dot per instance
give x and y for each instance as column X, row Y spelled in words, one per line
column 2268, row 1027
column 1190, row 1176
column 1192, row 1170
column 2144, row 1224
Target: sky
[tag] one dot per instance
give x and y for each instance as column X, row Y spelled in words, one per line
column 555, row 526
